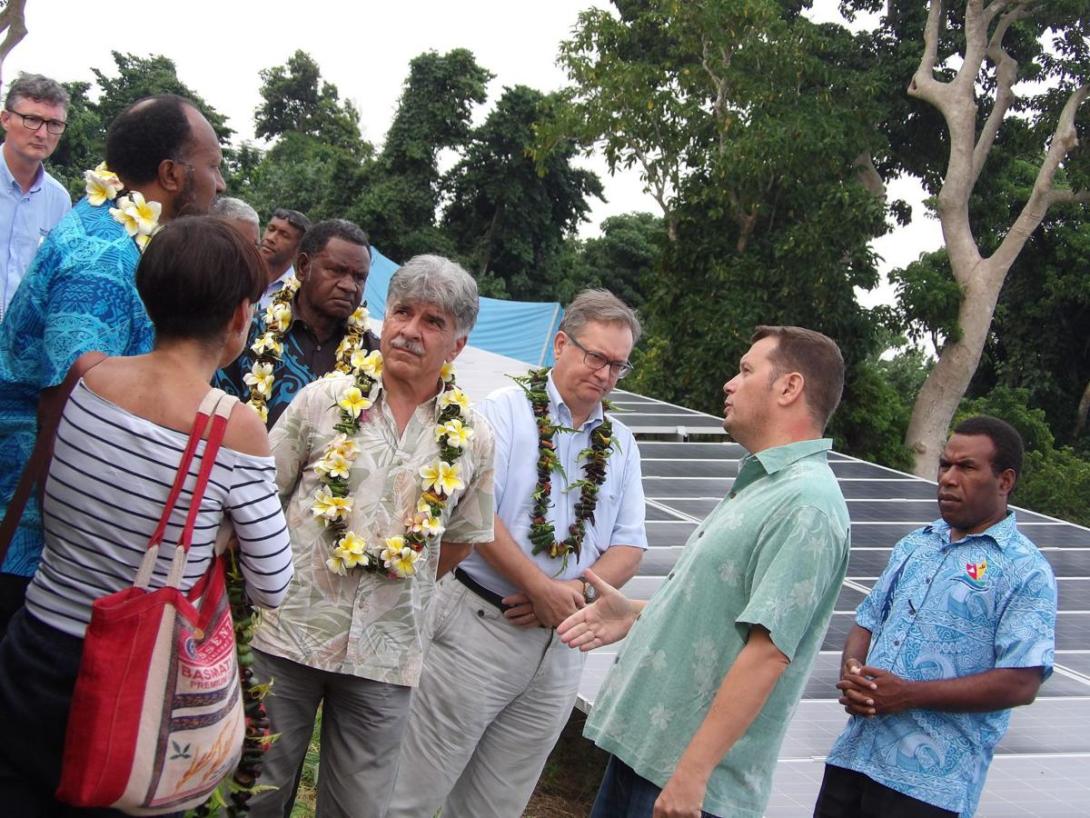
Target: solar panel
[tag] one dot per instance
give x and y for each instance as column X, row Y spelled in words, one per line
column 1040, row 766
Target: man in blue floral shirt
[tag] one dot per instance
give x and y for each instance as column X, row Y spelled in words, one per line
column 80, row 292
column 959, row 629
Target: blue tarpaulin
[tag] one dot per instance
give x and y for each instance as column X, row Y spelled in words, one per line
column 522, row 330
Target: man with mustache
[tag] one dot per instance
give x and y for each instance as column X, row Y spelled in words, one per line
column 279, row 246
column 695, row 708
column 80, row 292
column 959, row 629
column 498, row 684
column 313, row 329
column 31, row 202
column 375, row 470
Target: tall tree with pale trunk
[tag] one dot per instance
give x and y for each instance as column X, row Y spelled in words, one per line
column 972, row 87
column 13, row 27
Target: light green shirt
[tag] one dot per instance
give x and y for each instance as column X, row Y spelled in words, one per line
column 773, row 553
column 366, row 624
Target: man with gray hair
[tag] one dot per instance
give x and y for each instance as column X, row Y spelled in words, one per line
column 375, row 470
column 241, row 216
column 34, row 117
column 498, row 684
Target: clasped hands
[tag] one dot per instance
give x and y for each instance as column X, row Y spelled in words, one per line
column 871, row 691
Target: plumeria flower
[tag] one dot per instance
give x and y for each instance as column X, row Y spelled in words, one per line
column 456, row 432
column 142, row 240
column 145, row 213
column 427, row 525
column 102, row 185
column 335, row 563
column 352, row 549
column 358, row 319
column 446, row 372
column 344, row 345
column 291, row 286
column 333, row 465
column 267, row 343
column 261, row 409
column 399, row 558
column 444, row 477
column 278, row 316
column 124, row 215
column 260, row 379
column 344, row 446
column 369, row 363
column 329, row 508
column 455, row 397
column 354, row 401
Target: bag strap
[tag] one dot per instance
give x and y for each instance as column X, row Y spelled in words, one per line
column 50, row 409
column 217, row 406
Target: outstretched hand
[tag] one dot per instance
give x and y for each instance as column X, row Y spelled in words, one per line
column 605, row 621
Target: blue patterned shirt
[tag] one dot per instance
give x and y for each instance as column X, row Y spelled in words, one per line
column 943, row 610
column 304, row 359
column 78, row 296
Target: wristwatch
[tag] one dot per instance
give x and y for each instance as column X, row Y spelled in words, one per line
column 590, row 593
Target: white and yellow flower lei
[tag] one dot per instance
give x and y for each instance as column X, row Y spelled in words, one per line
column 396, row 556
column 140, row 218
column 268, row 347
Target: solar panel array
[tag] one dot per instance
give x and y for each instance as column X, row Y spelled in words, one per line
column 1041, row 765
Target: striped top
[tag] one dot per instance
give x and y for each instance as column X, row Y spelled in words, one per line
column 108, row 482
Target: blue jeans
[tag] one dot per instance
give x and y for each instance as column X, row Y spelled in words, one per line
column 623, row 794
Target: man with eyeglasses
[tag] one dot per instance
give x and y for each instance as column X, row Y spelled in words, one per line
column 498, row 685
column 34, row 117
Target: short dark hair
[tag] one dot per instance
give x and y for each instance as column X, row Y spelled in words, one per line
column 37, row 87
column 318, row 236
column 194, row 274
column 292, row 217
column 816, row 357
column 1009, row 448
column 145, row 134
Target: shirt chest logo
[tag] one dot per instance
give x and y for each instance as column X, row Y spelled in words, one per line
column 974, row 575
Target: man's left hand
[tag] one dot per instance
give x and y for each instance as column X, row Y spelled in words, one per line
column 682, row 797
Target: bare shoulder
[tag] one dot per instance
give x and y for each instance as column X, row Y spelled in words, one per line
column 246, row 432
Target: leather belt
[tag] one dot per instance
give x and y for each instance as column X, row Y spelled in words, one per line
column 488, row 596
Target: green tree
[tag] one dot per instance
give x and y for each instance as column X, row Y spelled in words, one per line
column 295, row 100
column 752, row 128
column 623, row 259
column 508, row 214
column 401, row 190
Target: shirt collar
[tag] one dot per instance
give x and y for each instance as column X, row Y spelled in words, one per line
column 10, row 181
column 1002, row 533
column 780, row 457
column 563, row 413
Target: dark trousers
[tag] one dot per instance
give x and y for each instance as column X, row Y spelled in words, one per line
column 12, row 593
column 624, row 794
column 38, row 667
column 850, row 794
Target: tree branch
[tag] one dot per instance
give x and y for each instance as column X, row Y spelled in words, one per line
column 13, row 20
column 976, row 43
column 924, row 85
column 1064, row 140
column 1006, row 74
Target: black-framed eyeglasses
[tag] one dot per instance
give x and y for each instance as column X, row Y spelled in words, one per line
column 618, row 369
column 33, row 122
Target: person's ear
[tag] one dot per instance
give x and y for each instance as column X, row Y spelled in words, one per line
column 172, row 175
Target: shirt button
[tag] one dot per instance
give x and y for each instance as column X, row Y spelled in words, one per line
column 896, row 642
column 731, row 495
column 480, row 612
column 670, row 575
column 699, row 535
column 929, row 579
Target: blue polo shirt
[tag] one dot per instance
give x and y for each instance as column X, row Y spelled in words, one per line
column 25, row 221
column 942, row 610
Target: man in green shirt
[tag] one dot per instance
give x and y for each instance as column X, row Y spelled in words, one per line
column 696, row 707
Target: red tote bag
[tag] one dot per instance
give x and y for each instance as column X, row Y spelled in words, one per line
column 157, row 717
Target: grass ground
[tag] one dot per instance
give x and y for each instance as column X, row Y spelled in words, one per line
column 566, row 788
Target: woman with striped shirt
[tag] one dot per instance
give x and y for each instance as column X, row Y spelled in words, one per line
column 117, row 451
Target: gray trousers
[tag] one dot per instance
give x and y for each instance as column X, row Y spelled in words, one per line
column 362, row 726
column 491, row 703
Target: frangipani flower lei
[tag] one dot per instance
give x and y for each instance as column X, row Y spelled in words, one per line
column 595, row 457
column 269, row 345
column 397, row 556
column 139, row 217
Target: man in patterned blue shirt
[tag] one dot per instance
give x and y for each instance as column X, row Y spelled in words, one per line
column 959, row 629
column 80, row 293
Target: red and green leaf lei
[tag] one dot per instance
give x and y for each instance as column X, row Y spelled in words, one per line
column 595, row 457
